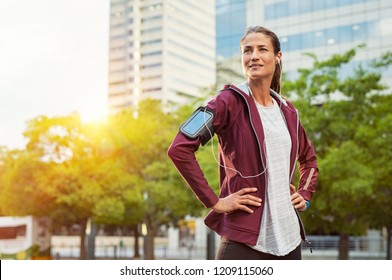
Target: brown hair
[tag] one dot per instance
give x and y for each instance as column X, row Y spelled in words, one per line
column 275, row 83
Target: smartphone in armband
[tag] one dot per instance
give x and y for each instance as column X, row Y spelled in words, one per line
column 199, row 124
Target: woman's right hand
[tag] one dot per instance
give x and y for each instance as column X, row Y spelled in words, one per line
column 238, row 201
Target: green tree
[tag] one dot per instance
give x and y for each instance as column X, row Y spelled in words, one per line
column 334, row 108
column 117, row 165
column 377, row 138
column 86, row 182
column 56, row 142
column 22, row 191
column 115, row 173
column 167, row 200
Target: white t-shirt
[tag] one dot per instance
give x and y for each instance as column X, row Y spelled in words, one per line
column 279, row 230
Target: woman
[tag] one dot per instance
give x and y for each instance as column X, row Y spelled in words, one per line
column 260, row 141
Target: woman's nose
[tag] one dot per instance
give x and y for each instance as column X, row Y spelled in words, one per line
column 255, row 55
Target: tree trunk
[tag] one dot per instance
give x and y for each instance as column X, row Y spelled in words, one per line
column 210, row 244
column 82, row 234
column 344, row 246
column 136, row 242
column 152, row 230
column 91, row 241
column 149, row 246
column 389, row 245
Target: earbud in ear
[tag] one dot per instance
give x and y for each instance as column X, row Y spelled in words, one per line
column 278, row 60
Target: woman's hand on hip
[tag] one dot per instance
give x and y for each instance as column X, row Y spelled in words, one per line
column 238, row 201
column 297, row 200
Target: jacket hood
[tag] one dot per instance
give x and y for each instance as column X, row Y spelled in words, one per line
column 244, row 88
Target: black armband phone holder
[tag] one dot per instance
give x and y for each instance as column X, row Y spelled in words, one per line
column 199, row 124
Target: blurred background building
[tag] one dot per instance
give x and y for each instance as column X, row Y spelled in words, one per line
column 171, row 50
column 322, row 27
column 160, row 49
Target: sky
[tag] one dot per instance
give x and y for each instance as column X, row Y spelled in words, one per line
column 53, row 62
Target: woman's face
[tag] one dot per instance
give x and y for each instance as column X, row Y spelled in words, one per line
column 258, row 57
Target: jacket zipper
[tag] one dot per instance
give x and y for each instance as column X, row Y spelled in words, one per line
column 260, row 148
column 291, row 177
column 253, row 128
column 296, row 152
column 305, row 239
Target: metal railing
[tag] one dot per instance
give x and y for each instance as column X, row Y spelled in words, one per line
column 360, row 247
column 323, row 247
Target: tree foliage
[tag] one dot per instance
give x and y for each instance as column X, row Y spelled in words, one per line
column 344, row 115
column 114, row 173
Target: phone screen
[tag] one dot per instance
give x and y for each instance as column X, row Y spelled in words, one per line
column 197, row 122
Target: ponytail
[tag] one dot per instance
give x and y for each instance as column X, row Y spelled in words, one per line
column 275, row 83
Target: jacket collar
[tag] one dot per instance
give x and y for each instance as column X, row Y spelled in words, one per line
column 244, row 87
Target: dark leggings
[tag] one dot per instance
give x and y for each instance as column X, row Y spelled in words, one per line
column 231, row 250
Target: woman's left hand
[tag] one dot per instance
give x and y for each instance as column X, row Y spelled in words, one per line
column 297, row 200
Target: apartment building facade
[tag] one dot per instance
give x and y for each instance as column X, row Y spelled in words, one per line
column 160, row 49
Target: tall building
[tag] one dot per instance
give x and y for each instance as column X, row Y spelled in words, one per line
column 161, row 49
column 322, row 27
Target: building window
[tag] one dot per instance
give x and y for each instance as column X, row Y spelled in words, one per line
column 151, row 65
column 152, row 89
column 358, row 32
column 297, row 7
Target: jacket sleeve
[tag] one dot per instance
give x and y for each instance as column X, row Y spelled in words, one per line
column 308, row 167
column 182, row 153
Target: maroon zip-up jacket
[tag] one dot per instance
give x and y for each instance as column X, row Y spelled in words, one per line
column 240, row 133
